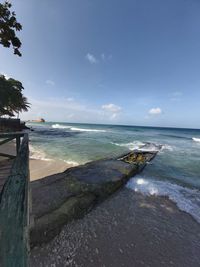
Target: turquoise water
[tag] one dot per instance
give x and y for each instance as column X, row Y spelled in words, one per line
column 175, row 172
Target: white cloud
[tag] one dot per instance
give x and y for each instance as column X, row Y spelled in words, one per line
column 102, row 58
column 176, row 96
column 111, row 108
column 105, row 57
column 65, row 109
column 50, row 82
column 91, row 58
column 71, row 110
column 113, row 116
column 111, row 111
column 155, row 111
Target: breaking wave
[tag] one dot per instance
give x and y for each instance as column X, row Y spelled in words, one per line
column 86, row 130
column 36, row 153
column 144, row 146
column 186, row 199
column 60, row 126
column 196, row 139
column 167, row 147
column 131, row 146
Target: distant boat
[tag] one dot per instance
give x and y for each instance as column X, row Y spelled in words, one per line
column 39, row 120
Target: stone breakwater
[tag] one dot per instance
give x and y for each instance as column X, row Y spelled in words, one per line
column 60, row 198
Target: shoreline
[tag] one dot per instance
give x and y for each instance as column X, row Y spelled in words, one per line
column 127, row 229
column 140, row 230
column 39, row 168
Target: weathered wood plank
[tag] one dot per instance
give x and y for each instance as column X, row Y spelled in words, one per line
column 14, row 212
column 18, row 140
column 5, row 167
column 11, row 134
column 6, row 141
column 7, row 155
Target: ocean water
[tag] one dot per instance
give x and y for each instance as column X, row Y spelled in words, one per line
column 175, row 172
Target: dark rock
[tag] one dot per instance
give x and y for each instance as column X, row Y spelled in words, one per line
column 57, row 199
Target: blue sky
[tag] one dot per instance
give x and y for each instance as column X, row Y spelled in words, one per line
column 131, row 62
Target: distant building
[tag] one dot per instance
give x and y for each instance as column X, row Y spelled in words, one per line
column 39, row 120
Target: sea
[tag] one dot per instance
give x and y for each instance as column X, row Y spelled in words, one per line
column 174, row 173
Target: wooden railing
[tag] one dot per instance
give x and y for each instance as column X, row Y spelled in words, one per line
column 14, row 208
column 9, row 137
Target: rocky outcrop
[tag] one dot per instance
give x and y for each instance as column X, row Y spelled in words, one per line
column 57, row 199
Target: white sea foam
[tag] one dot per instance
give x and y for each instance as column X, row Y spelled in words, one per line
column 86, row 130
column 187, row 200
column 196, row 139
column 167, row 147
column 60, row 126
column 131, row 146
column 150, row 147
column 71, row 162
column 138, row 145
column 36, row 153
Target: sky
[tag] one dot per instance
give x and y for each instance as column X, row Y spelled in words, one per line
column 134, row 62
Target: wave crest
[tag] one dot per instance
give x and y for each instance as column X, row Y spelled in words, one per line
column 86, row 130
column 186, row 199
column 196, row 139
column 138, row 145
column 60, row 126
column 36, row 153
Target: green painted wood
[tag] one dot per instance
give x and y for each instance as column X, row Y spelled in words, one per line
column 14, row 212
column 17, row 144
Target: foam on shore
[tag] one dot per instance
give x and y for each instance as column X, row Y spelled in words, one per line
column 186, row 199
column 36, row 153
column 71, row 162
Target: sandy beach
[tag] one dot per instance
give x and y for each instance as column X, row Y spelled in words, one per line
column 38, row 168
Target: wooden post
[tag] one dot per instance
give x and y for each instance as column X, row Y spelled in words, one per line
column 8, row 137
column 17, row 144
column 14, row 212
